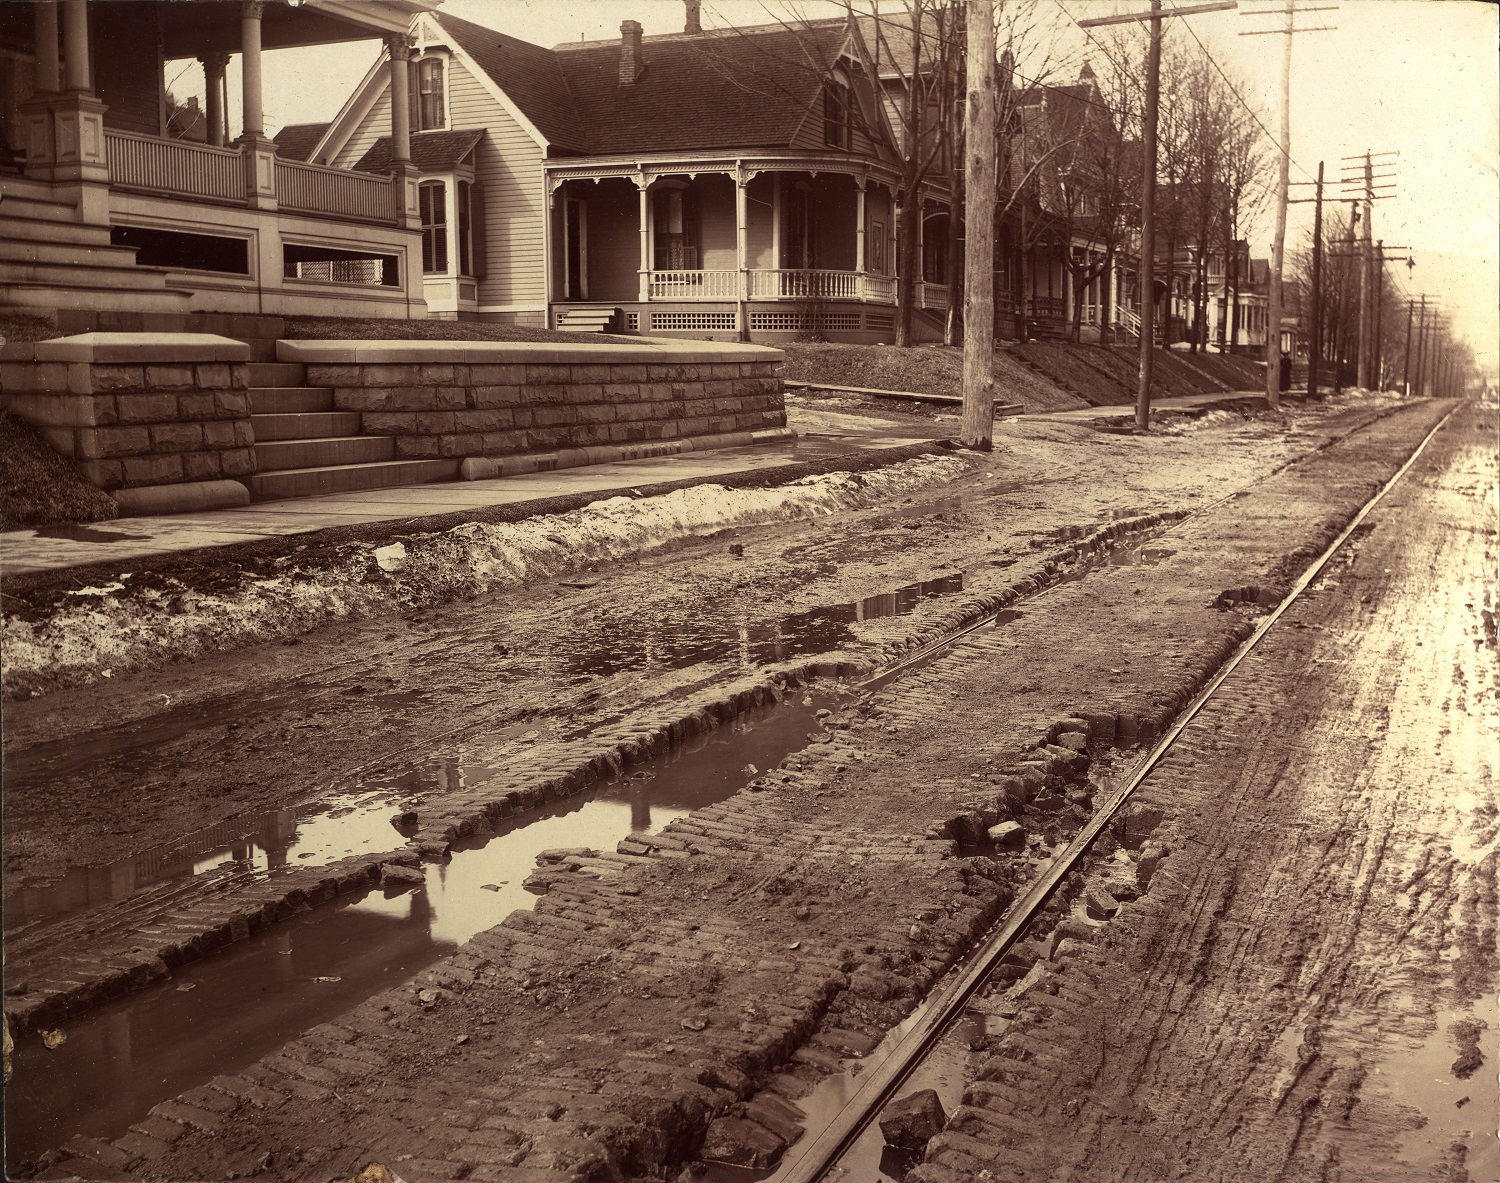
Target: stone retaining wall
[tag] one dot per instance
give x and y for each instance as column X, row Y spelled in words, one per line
column 447, row 398
column 137, row 409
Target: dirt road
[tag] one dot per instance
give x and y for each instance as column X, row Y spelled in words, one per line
column 1308, row 989
column 678, row 998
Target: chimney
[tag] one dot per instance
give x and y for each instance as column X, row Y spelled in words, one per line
column 694, row 23
column 631, row 66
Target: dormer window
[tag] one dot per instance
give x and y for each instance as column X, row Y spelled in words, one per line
column 837, row 113
column 430, row 104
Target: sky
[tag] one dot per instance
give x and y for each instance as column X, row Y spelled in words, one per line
column 1415, row 77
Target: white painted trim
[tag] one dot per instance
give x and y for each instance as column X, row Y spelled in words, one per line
column 511, row 308
column 500, row 97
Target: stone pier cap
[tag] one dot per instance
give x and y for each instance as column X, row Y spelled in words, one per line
column 663, row 352
column 140, row 349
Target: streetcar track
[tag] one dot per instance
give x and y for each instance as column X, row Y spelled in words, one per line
column 931, row 1018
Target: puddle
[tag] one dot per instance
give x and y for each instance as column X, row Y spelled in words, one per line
column 310, row 835
column 132, row 1053
column 1420, row 1075
column 77, row 532
column 618, row 646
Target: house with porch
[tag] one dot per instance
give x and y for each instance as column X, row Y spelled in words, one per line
column 1068, row 245
column 737, row 183
column 113, row 203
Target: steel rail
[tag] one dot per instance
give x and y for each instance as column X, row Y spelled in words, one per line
column 940, row 1008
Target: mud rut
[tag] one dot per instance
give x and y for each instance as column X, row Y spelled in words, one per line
column 875, row 866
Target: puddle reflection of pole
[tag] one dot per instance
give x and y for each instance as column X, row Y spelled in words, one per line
column 640, row 807
column 278, row 835
column 422, row 912
column 282, row 962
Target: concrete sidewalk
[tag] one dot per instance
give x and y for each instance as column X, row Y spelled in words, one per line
column 59, row 547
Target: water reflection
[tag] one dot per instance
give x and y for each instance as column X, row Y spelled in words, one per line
column 619, row 646
column 245, row 1002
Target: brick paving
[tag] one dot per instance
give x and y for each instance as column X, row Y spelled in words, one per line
column 749, row 947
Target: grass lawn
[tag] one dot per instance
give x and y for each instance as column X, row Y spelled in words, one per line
column 921, row 369
column 337, row 328
column 38, row 487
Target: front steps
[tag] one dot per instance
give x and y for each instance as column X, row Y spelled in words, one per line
column 51, row 260
column 586, row 320
column 305, row 448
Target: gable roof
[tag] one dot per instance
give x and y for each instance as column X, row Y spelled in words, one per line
column 431, row 151
column 296, row 141
column 719, row 89
column 527, row 73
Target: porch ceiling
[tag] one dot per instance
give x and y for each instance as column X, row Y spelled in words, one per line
column 213, row 26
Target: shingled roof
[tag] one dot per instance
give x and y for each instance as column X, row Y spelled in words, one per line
column 296, row 141
column 431, row 151
column 720, row 89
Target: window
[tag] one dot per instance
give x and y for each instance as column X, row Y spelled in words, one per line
column 876, row 248
column 430, row 94
column 836, row 114
column 675, row 223
column 465, row 229
column 433, row 206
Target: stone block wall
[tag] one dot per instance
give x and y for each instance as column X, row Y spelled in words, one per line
column 137, row 409
column 459, row 399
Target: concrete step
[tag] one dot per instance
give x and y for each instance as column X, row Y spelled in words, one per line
column 69, row 275
column 312, row 453
column 289, row 400
column 277, row 373
column 304, row 426
column 16, row 202
column 93, row 299
column 16, row 227
column 70, row 254
column 349, row 478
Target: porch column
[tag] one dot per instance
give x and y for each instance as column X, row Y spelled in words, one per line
column 399, row 48
column 48, row 64
column 776, row 220
column 404, row 175
column 76, row 40
column 644, row 196
column 859, row 228
column 254, row 125
column 64, row 119
column 214, row 65
column 258, row 153
column 742, row 249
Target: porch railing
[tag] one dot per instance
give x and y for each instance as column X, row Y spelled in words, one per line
column 880, row 289
column 1048, row 307
column 934, row 296
column 804, row 284
column 314, row 188
column 694, row 285
column 175, row 166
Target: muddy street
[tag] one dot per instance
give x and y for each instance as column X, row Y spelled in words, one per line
column 629, row 868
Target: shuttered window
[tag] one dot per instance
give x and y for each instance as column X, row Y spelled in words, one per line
column 430, row 95
column 433, row 206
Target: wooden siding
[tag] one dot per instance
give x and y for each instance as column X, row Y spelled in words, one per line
column 508, row 176
column 376, row 123
column 508, row 169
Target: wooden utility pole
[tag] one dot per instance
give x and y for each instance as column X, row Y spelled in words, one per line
column 1361, row 183
column 1411, row 307
column 1284, row 149
column 1147, row 269
column 980, row 157
column 1315, row 346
